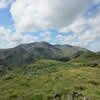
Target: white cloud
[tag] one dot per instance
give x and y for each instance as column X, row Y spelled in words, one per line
column 35, row 15
column 45, row 36
column 86, row 31
column 29, row 38
column 20, row 38
column 78, row 26
column 4, row 33
column 32, row 15
column 93, row 32
column 14, row 38
column 5, row 3
column 64, row 38
column 95, row 46
column 97, row 1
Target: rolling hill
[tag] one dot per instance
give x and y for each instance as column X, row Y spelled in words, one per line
column 28, row 53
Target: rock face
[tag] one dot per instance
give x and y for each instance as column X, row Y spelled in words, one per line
column 28, row 53
column 57, row 97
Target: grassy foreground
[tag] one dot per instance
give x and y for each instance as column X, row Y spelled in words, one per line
column 46, row 78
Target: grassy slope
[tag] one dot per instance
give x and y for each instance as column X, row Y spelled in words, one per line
column 88, row 56
column 47, row 78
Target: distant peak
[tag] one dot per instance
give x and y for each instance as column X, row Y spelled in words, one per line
column 42, row 43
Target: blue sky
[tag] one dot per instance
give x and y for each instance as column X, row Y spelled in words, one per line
column 68, row 22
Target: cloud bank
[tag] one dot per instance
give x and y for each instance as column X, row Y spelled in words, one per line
column 13, row 38
column 86, row 32
column 31, row 15
column 5, row 3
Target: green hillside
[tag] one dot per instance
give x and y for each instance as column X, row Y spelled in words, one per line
column 86, row 57
column 46, row 79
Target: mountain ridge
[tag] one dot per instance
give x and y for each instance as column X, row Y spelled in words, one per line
column 28, row 53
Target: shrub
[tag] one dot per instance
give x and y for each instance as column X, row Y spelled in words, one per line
column 93, row 82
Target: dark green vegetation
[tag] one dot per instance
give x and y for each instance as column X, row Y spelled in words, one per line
column 44, row 79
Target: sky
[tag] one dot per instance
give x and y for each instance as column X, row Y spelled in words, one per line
column 74, row 22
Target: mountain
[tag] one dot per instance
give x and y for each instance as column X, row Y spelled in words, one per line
column 32, row 72
column 69, row 50
column 28, row 53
